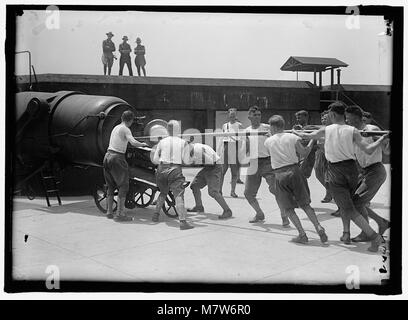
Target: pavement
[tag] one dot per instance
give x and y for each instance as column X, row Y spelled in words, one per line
column 84, row 245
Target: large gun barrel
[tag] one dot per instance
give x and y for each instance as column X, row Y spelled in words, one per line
column 72, row 125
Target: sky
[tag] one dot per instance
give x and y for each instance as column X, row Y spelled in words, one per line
column 206, row 45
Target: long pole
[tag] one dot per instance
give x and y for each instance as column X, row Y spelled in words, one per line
column 248, row 134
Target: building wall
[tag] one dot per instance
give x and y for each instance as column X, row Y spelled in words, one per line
column 196, row 106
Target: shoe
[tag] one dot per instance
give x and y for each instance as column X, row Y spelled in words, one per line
column 234, row 195
column 326, row 199
column 336, row 213
column 383, row 227
column 285, row 222
column 122, row 218
column 301, row 239
column 196, row 209
column 257, row 218
column 184, row 225
column 362, row 237
column 239, row 181
column 226, row 214
column 109, row 216
column 345, row 238
column 155, row 217
column 375, row 243
column 323, row 236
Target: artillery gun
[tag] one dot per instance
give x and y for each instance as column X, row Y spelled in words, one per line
column 58, row 130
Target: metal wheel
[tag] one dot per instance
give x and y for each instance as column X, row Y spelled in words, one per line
column 139, row 195
column 100, row 198
column 144, row 198
column 169, row 207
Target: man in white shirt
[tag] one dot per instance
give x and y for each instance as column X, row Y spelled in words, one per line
column 210, row 176
column 372, row 175
column 259, row 165
column 340, row 141
column 291, row 185
column 171, row 152
column 231, row 145
column 115, row 166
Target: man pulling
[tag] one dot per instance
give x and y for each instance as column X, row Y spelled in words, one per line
column 340, row 141
column 291, row 185
column 170, row 154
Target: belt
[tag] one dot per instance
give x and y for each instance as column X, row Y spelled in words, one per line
column 286, row 167
column 372, row 165
column 116, row 152
column 164, row 164
column 343, row 162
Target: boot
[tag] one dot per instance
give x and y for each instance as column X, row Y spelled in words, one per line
column 226, row 214
column 259, row 217
column 184, row 225
column 198, row 209
column 301, row 238
column 345, row 238
column 322, row 234
column 285, row 222
column 383, row 227
column 375, row 243
column 121, row 216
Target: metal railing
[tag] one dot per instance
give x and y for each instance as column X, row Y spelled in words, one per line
column 29, row 63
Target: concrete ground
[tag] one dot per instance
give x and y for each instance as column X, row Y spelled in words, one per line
column 85, row 245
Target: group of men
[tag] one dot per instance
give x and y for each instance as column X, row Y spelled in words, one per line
column 347, row 164
column 108, row 48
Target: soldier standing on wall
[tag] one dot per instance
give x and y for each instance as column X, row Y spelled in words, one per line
column 108, row 47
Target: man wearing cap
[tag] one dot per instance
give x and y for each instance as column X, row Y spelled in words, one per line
column 108, row 47
column 140, row 60
column 125, row 50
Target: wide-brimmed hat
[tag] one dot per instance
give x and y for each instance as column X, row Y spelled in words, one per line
column 109, row 34
column 138, row 39
column 125, row 38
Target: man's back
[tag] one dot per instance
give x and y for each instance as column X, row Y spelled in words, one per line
column 282, row 149
column 339, row 145
column 171, row 150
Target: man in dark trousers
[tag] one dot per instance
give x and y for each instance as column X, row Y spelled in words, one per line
column 372, row 174
column 115, row 166
column 210, row 175
column 108, row 47
column 291, row 188
column 140, row 60
column 339, row 147
column 125, row 50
